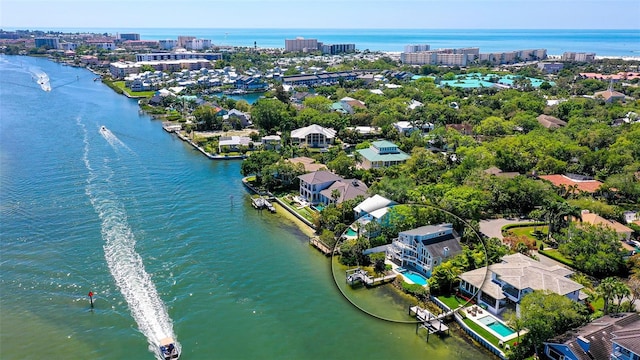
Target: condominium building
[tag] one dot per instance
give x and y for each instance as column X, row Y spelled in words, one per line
column 578, row 56
column 183, row 40
column 334, row 49
column 49, row 42
column 416, row 48
column 130, row 36
column 198, row 44
column 183, row 55
column 300, row 45
column 168, row 44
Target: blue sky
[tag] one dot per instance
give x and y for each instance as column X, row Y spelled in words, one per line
column 428, row 14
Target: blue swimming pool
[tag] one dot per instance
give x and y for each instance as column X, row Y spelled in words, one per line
column 415, row 277
column 350, row 232
column 496, row 326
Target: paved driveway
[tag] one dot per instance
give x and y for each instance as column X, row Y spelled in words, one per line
column 493, row 227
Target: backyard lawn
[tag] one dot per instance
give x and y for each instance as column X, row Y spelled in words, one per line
column 121, row 86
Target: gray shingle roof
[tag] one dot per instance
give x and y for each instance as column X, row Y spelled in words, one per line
column 319, row 177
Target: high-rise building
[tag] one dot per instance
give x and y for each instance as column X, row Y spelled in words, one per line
column 49, row 42
column 300, row 45
column 130, row 36
column 416, row 48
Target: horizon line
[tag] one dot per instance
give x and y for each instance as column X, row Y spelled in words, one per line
column 303, row 28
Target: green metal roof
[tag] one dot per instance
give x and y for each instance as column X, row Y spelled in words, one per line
column 373, row 156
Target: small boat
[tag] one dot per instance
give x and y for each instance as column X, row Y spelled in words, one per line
column 168, row 349
column 103, row 128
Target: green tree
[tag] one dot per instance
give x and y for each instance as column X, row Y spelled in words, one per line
column 343, row 165
column 548, row 314
column 257, row 162
column 596, row 250
column 444, row 276
column 514, row 321
column 607, row 290
column 271, row 114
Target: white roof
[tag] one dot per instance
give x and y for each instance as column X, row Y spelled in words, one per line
column 234, row 140
column 370, row 204
column 313, row 129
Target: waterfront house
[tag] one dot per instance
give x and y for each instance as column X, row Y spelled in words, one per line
column 271, row 142
column 374, row 208
column 594, row 219
column 372, row 204
column 381, row 154
column 343, row 190
column 243, row 118
column 615, row 337
column 250, row 83
column 313, row 183
column 503, row 285
column 233, row 143
column 325, row 187
column 314, row 136
column 425, row 247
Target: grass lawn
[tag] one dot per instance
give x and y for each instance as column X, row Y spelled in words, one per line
column 305, row 211
column 451, row 301
column 120, row 85
column 487, row 335
column 527, row 230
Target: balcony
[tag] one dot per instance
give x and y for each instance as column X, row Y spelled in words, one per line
column 512, row 293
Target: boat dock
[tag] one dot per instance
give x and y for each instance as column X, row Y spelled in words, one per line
column 432, row 323
column 320, row 245
column 262, row 203
column 355, row 276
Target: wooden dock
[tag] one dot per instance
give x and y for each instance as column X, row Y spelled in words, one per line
column 432, row 323
column 355, row 276
column 320, row 245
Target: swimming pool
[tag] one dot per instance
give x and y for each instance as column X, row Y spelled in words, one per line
column 351, row 233
column 415, row 277
column 495, row 325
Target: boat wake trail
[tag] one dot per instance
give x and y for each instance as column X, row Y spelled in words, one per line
column 124, row 263
column 112, row 139
column 41, row 78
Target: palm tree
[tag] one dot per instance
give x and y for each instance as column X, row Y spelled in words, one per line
column 620, row 291
column 606, row 291
column 514, row 321
column 335, row 195
column 450, row 272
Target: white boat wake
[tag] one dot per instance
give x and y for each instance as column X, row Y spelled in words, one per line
column 112, row 139
column 124, row 263
column 41, row 77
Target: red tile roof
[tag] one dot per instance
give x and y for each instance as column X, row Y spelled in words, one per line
column 589, row 186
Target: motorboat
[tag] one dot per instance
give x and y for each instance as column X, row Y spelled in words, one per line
column 103, row 128
column 168, row 349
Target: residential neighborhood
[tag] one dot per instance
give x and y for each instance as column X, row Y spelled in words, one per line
column 391, row 161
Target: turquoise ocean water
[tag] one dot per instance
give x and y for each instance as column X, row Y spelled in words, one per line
column 602, row 42
column 165, row 238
